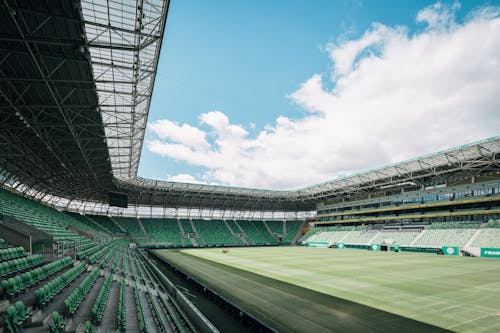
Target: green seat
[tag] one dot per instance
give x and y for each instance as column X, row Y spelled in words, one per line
column 19, row 284
column 12, row 320
column 22, row 312
column 6, row 288
column 13, row 286
column 58, row 323
column 89, row 328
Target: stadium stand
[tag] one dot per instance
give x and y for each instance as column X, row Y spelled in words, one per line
column 37, row 215
column 489, row 235
column 253, row 235
column 131, row 225
column 76, row 297
column 164, row 231
column 263, row 232
column 275, row 228
column 292, row 229
column 214, row 232
column 106, row 223
column 95, row 276
column 444, row 237
column 87, row 224
column 398, row 237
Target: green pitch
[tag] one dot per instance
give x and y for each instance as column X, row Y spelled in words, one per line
column 308, row 289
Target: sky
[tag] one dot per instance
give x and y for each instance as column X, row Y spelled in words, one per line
column 285, row 94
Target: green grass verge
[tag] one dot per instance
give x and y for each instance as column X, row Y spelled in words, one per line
column 352, row 290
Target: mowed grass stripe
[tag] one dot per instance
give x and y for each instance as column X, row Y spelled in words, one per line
column 459, row 293
column 287, row 307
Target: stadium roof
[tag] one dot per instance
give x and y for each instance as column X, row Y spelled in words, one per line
column 75, row 89
column 124, row 40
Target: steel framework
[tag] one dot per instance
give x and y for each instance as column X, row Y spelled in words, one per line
column 124, row 40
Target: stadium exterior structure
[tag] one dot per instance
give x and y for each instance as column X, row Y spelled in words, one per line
column 76, row 84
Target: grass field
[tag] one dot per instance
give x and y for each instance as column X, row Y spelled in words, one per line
column 307, row 289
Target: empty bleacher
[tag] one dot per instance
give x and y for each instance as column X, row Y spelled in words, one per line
column 39, row 216
column 292, row 229
column 106, row 223
column 435, row 235
column 255, row 235
column 90, row 292
column 444, row 237
column 398, row 237
column 164, row 231
column 214, row 232
column 131, row 225
column 489, row 235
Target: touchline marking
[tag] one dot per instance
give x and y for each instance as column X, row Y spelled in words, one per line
column 469, row 321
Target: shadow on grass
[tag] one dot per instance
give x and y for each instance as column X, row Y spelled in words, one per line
column 290, row 308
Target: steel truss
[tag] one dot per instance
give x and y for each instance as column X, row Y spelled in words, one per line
column 124, row 40
column 76, row 79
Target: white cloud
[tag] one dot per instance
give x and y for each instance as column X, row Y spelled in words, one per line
column 184, row 178
column 395, row 96
column 439, row 16
column 184, row 134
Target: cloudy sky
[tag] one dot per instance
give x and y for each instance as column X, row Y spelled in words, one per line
column 286, row 94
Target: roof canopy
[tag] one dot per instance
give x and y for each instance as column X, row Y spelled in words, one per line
column 76, row 79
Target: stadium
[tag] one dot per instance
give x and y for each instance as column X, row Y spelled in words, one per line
column 86, row 245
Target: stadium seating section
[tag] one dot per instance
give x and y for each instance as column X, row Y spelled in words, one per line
column 106, row 223
column 435, row 235
column 104, row 268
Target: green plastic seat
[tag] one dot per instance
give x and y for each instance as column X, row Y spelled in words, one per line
column 13, row 285
column 12, row 316
column 58, row 323
column 21, row 311
column 89, row 328
column 6, row 287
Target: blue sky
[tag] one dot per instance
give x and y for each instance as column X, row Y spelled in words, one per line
column 253, row 62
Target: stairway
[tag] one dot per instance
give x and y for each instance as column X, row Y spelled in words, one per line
column 142, row 228
column 98, row 226
column 269, row 229
column 193, row 241
column 194, row 228
column 231, row 230
column 371, row 240
column 239, row 227
column 474, row 235
column 345, row 236
column 183, row 233
column 298, row 235
column 418, row 236
column 118, row 225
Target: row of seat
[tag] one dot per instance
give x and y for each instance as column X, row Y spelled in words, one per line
column 107, row 258
column 11, row 253
column 3, row 243
column 140, row 311
column 15, row 265
column 122, row 307
column 116, row 261
column 86, row 252
column 78, row 295
column 156, row 313
column 86, row 245
column 15, row 316
column 175, row 315
column 96, row 256
column 102, row 299
column 44, row 294
column 58, row 324
column 89, row 328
